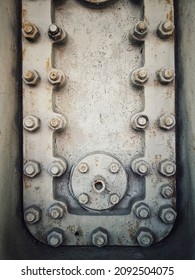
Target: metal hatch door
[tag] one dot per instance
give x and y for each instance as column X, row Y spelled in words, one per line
column 99, row 121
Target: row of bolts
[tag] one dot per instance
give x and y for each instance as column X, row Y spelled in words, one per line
column 139, row 77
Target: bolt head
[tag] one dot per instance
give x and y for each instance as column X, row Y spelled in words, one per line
column 139, row 121
column 83, row 167
column 139, row 77
column 83, row 198
column 55, row 238
column 57, row 168
column 32, row 214
column 31, row 123
column 165, row 29
column 142, row 211
column 114, row 168
column 56, row 33
column 31, row 78
column 30, row 31
column 114, row 198
column 56, row 211
column 167, row 122
column 57, row 123
column 167, row 215
column 167, row 168
column 166, row 75
column 140, row 167
column 167, row 191
column 140, row 30
column 145, row 237
column 99, row 237
column 56, row 77
column 32, row 168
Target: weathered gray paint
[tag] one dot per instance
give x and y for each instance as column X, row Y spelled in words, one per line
column 15, row 241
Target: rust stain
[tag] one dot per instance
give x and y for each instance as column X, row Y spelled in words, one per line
column 169, row 1
column 24, row 13
column 23, row 53
column 48, row 63
column 170, row 15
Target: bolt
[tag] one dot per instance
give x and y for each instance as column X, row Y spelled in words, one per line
column 55, row 238
column 139, row 77
column 140, row 31
column 140, row 167
column 56, row 77
column 53, row 29
column 165, row 29
column 167, row 25
column 30, row 31
column 56, row 211
column 83, row 198
column 167, row 168
column 167, row 215
column 167, row 122
column 56, row 33
column 31, row 78
column 57, row 123
column 144, row 237
column 139, row 121
column 142, row 210
column 31, row 123
column 32, row 215
column 99, row 237
column 114, row 168
column 166, row 75
column 32, row 168
column 83, row 167
column 167, row 191
column 114, row 198
column 57, row 168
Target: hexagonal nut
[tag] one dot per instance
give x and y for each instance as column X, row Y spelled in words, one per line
column 57, row 168
column 99, row 237
column 56, row 33
column 56, row 211
column 31, row 123
column 167, row 214
column 142, row 210
column 32, row 214
column 167, row 191
column 55, row 238
column 83, row 198
column 139, row 77
column 167, row 122
column 144, row 237
column 31, row 77
column 140, row 31
column 140, row 167
column 32, row 168
column 165, row 29
column 56, row 77
column 30, row 31
column 57, row 123
column 167, row 168
column 166, row 75
column 139, row 121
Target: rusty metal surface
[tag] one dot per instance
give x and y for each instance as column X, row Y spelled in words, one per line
column 91, row 113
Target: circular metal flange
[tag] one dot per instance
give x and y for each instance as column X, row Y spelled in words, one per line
column 98, row 184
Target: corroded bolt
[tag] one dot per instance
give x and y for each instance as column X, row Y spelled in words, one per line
column 30, row 31
column 53, row 29
column 167, row 121
column 83, row 167
column 31, row 78
column 140, row 31
column 32, row 215
column 145, row 237
column 165, row 29
column 57, row 168
column 139, row 77
column 56, row 211
column 114, row 198
column 83, row 198
column 167, row 215
column 31, row 123
column 56, row 77
column 99, row 237
column 167, row 191
column 32, row 168
column 57, row 123
column 114, row 168
column 142, row 210
column 55, row 238
column 166, row 75
column 140, row 167
column 56, row 33
column 139, row 121
column 167, row 168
